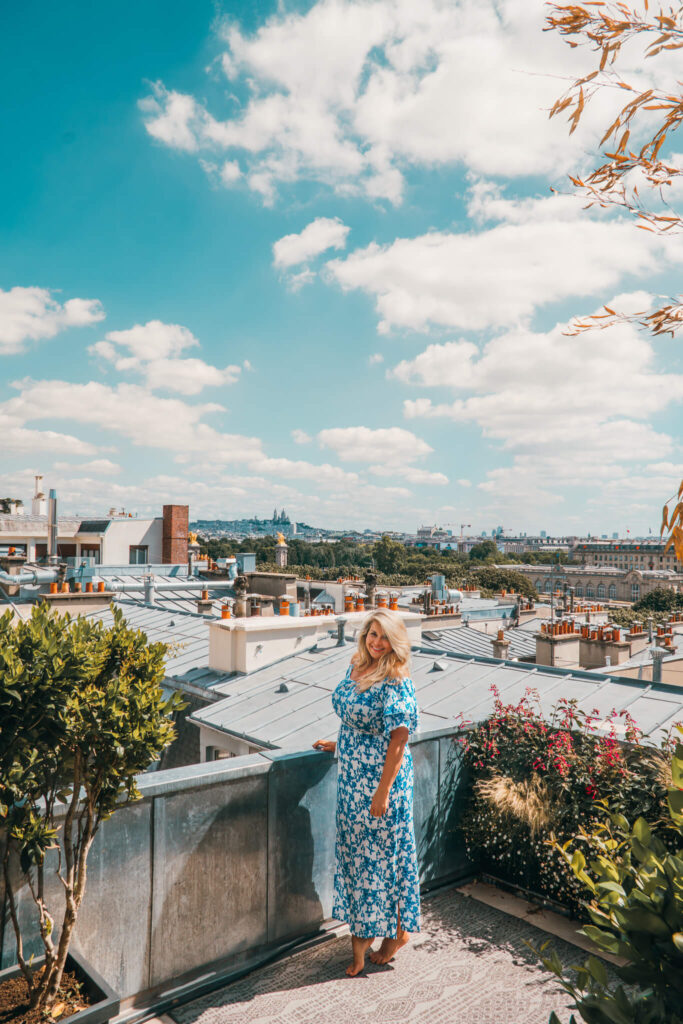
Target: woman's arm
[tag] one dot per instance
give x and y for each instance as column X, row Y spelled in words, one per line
column 392, row 763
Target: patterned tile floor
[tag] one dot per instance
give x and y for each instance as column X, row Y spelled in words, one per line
column 469, row 965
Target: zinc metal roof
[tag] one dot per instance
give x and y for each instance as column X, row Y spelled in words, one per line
column 179, row 600
column 464, row 640
column 446, row 685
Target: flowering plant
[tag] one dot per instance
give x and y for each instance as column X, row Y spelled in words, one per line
column 537, row 777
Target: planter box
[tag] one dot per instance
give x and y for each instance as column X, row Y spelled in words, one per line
column 105, row 1002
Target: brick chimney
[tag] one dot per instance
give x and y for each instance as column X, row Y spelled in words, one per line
column 174, row 537
column 602, row 642
column 500, row 645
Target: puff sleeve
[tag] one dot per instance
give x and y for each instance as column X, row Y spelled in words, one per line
column 400, row 706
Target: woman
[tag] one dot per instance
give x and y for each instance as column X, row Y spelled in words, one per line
column 376, row 884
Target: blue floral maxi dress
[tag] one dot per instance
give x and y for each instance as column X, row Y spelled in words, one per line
column 376, row 860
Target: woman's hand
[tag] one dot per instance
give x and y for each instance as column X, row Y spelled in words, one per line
column 328, row 745
column 380, row 803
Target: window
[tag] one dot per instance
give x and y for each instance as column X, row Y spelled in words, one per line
column 601, row 591
column 91, row 553
column 635, row 591
column 137, row 554
column 612, row 592
column 589, row 591
column 579, row 590
column 538, row 584
column 547, row 587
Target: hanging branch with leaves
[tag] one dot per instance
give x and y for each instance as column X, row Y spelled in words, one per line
column 624, row 172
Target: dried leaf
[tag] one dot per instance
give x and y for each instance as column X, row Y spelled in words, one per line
column 57, row 1010
column 665, row 518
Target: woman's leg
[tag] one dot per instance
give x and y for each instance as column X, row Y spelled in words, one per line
column 360, row 947
column 390, row 947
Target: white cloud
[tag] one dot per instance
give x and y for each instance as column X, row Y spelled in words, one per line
column 350, row 93
column 410, row 474
column 230, row 172
column 187, row 376
column 153, row 340
column 133, row 412
column 498, row 276
column 464, row 482
column 170, row 118
column 105, row 467
column 152, row 350
column 572, row 410
column 297, row 281
column 376, row 358
column 301, row 437
column 19, row 440
column 29, row 314
column 392, row 446
column 163, row 423
column 321, row 234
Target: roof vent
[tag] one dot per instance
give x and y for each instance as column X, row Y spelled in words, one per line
column 282, row 688
column 439, row 666
column 172, row 622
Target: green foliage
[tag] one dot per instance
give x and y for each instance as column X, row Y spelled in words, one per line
column 524, row 763
column 636, row 906
column 661, row 599
column 82, row 712
column 493, row 578
column 6, row 502
column 487, row 551
column 627, row 616
column 389, row 555
column 397, row 565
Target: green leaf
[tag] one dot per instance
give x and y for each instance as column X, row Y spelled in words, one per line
column 676, row 801
column 597, row 970
column 641, row 830
column 578, row 862
column 637, row 919
column 612, row 887
column 602, row 939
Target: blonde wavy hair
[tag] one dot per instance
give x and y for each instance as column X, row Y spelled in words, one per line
column 396, row 663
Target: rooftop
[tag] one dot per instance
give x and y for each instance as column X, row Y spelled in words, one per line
column 256, row 708
column 463, row 640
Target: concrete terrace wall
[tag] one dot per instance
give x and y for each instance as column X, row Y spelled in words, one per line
column 221, row 862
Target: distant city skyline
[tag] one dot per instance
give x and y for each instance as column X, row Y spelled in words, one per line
column 69, row 508
column 306, row 254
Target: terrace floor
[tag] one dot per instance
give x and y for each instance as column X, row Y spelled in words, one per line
column 469, row 965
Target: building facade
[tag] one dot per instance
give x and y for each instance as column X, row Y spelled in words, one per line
column 626, row 554
column 601, row 583
column 111, row 540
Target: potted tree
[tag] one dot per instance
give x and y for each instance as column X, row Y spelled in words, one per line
column 82, row 712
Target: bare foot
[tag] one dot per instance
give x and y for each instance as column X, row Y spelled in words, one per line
column 389, row 948
column 360, row 948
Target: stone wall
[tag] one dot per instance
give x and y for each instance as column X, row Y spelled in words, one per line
column 224, row 861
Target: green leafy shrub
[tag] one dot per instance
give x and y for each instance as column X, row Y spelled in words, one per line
column 636, row 885
column 533, row 777
column 82, row 712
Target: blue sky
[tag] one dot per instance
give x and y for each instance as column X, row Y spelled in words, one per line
column 307, row 256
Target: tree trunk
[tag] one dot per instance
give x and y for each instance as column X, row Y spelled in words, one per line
column 9, row 889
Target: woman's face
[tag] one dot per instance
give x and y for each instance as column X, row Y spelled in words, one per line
column 376, row 642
